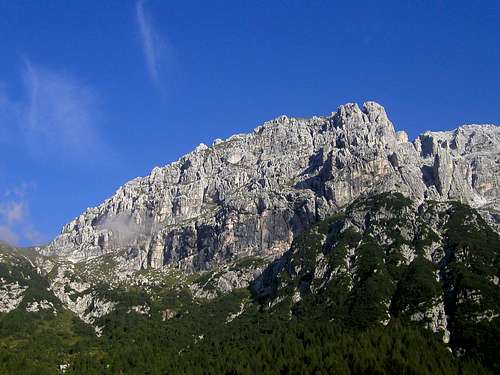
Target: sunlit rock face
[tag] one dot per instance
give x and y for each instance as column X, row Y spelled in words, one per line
column 252, row 193
column 387, row 257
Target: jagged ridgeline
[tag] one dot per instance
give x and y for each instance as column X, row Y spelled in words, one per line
column 252, row 193
column 318, row 246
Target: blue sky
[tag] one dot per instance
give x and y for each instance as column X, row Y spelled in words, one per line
column 95, row 93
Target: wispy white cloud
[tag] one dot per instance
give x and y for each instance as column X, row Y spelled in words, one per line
column 53, row 117
column 13, row 211
column 20, row 191
column 56, row 117
column 153, row 45
column 60, row 114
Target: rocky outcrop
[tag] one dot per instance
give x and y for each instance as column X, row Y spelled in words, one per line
column 79, row 296
column 11, row 295
column 251, row 194
column 168, row 314
column 237, row 275
column 387, row 257
column 36, row 306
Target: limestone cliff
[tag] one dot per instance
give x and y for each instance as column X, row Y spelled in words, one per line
column 251, row 194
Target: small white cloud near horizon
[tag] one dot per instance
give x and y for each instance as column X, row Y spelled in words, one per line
column 15, row 225
column 13, row 211
column 7, row 235
column 153, row 45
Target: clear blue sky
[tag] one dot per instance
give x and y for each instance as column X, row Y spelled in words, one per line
column 95, row 93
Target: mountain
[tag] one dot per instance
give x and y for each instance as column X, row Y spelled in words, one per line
column 387, row 257
column 327, row 245
column 251, row 194
column 385, row 285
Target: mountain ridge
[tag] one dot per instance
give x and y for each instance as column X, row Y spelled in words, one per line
column 250, row 194
column 372, row 287
column 329, row 242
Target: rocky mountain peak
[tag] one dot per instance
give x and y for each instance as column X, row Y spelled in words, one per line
column 371, row 113
column 252, row 193
column 336, row 219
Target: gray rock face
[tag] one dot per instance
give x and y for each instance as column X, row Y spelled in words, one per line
column 385, row 257
column 79, row 297
column 251, row 194
column 11, row 295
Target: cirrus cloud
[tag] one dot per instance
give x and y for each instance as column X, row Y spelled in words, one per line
column 57, row 116
column 60, row 114
column 13, row 211
column 153, row 45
